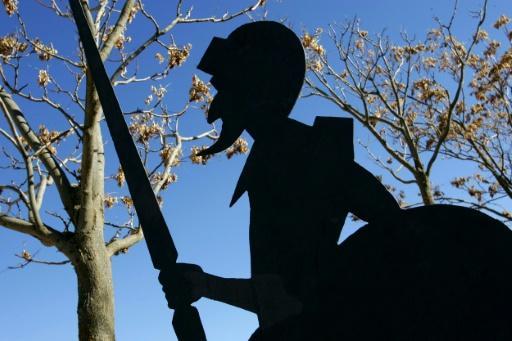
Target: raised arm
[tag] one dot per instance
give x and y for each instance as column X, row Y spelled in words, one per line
column 366, row 197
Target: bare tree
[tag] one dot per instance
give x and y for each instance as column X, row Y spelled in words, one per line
column 484, row 129
column 413, row 97
column 67, row 154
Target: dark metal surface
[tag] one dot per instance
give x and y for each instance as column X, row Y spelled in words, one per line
column 429, row 273
column 158, row 239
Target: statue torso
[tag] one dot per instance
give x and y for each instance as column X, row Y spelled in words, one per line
column 295, row 218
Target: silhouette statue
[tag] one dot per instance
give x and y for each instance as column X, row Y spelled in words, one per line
column 430, row 273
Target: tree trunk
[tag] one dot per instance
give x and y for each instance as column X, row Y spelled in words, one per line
column 423, row 182
column 91, row 259
column 95, row 292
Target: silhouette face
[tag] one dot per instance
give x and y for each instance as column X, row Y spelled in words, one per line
column 224, row 106
column 222, row 102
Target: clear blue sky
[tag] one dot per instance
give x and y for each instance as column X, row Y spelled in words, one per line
column 39, row 302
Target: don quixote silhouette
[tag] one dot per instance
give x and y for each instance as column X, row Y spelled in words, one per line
column 429, row 273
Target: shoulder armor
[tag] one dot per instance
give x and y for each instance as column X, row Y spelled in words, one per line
column 335, row 135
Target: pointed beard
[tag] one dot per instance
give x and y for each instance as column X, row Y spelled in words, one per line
column 221, row 104
column 231, row 131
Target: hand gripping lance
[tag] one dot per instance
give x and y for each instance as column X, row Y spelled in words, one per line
column 186, row 321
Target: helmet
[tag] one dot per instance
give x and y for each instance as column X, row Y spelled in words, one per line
column 263, row 54
column 260, row 62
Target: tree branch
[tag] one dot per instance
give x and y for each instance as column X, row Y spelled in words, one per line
column 49, row 236
column 119, row 28
column 66, row 191
column 120, row 245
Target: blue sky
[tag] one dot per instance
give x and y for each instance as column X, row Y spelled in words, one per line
column 39, row 302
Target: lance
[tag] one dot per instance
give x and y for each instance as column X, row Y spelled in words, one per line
column 186, row 321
